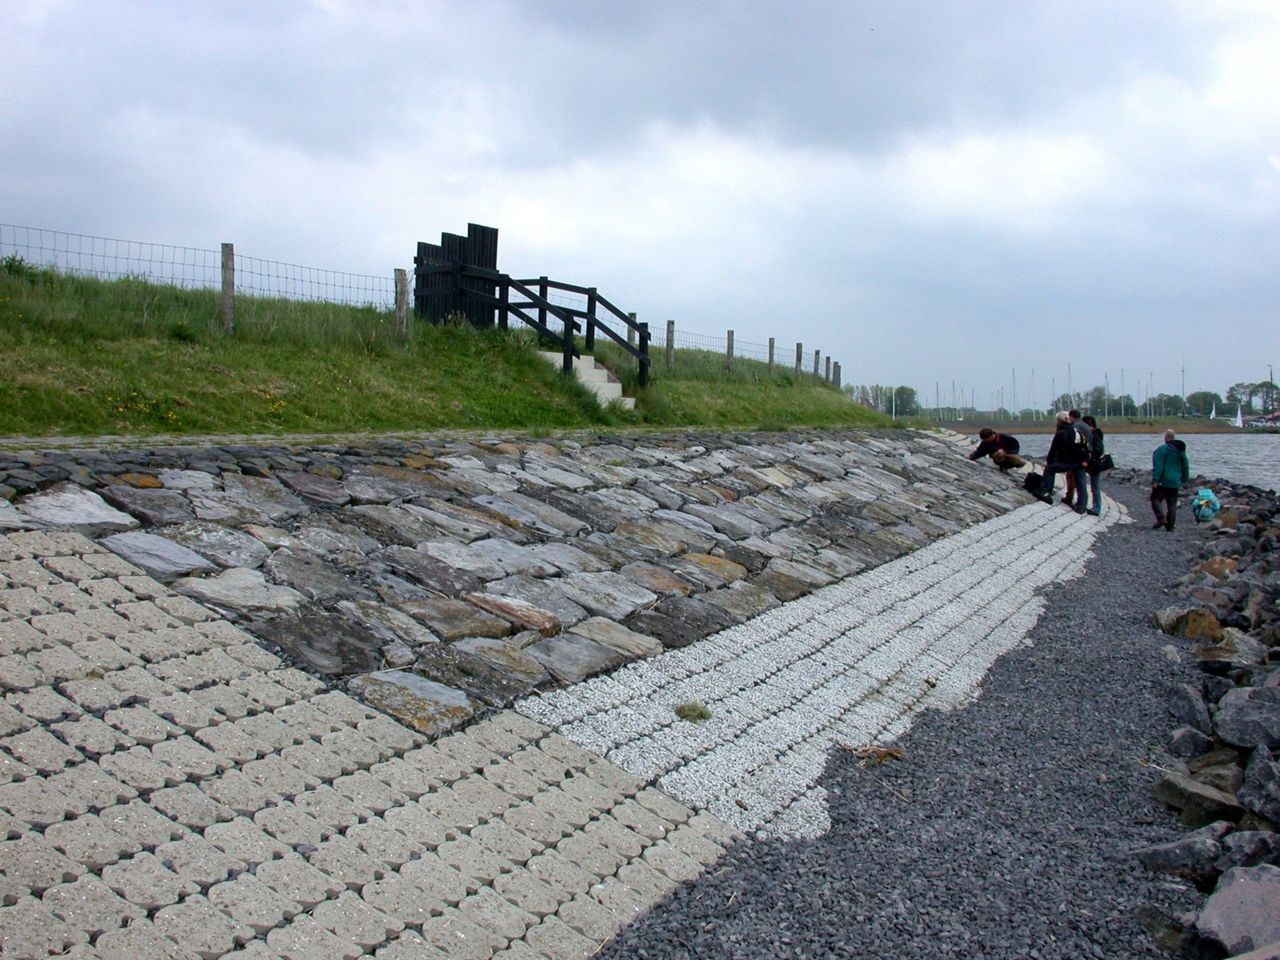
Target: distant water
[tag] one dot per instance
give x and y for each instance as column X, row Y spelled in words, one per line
column 1252, row 458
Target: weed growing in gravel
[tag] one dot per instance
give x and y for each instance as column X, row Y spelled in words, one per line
column 693, row 711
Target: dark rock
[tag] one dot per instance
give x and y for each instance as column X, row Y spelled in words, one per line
column 426, row 706
column 313, row 577
column 1245, row 718
column 1249, row 848
column 1260, row 791
column 1244, row 911
column 679, row 621
column 1189, row 742
column 1199, row 804
column 435, row 575
column 1188, row 708
column 155, row 508
column 455, row 619
column 325, row 642
column 1192, row 856
column 571, row 658
column 479, row 677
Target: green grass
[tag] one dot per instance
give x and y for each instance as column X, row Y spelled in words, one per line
column 80, row 356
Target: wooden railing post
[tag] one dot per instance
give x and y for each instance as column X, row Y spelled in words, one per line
column 837, row 373
column 504, row 302
column 228, row 308
column 771, row 356
column 728, row 351
column 542, row 294
column 591, row 318
column 827, row 376
column 644, row 354
column 566, row 362
column 816, row 355
column 402, row 302
column 671, row 344
column 799, row 358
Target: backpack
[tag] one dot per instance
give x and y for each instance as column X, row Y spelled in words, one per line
column 1031, row 482
column 1205, row 505
column 1083, row 445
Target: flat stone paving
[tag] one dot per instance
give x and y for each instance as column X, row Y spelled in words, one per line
column 168, row 788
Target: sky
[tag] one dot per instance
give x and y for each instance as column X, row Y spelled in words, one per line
column 976, row 199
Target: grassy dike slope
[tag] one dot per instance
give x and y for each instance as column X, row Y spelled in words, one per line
column 80, row 356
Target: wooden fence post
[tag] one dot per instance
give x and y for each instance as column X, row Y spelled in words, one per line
column 771, row 356
column 228, row 309
column 728, row 351
column 837, row 373
column 671, row 344
column 816, row 355
column 827, row 375
column 799, row 358
column 590, row 339
column 402, row 302
column 644, row 353
column 631, row 329
column 504, row 302
column 542, row 294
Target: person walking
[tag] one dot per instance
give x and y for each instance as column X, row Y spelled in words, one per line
column 1170, row 469
column 1097, row 448
column 1065, row 456
column 1075, row 497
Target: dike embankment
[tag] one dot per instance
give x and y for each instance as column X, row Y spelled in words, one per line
column 415, row 697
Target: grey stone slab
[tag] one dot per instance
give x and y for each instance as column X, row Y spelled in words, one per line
column 570, row 657
column 454, row 619
column 71, row 507
column 742, row 601
column 462, row 557
column 225, row 546
column 466, row 523
column 657, row 579
column 364, row 488
column 313, row 577
column 323, row 490
column 326, row 642
column 510, row 660
column 616, row 637
column 424, row 705
column 158, row 556
column 436, row 575
column 476, row 675
column 725, row 519
column 513, row 558
column 246, row 499
column 394, row 524
column 533, row 514
column 335, row 540
column 241, row 590
column 606, row 594
column 155, row 508
column 386, row 622
column 567, row 558
column 678, row 621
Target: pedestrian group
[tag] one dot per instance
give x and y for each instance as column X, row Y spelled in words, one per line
column 1078, row 452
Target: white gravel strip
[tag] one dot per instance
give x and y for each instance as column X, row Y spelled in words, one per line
column 851, row 664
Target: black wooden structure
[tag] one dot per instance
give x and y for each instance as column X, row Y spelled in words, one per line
column 459, row 275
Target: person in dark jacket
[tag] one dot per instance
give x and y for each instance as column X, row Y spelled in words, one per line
column 1170, row 469
column 1097, row 447
column 1076, row 495
column 1002, row 448
column 1065, row 456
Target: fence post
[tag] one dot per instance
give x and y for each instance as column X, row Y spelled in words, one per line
column 827, row 375
column 631, row 329
column 728, row 350
column 402, row 301
column 771, row 356
column 591, row 318
column 837, row 373
column 799, row 358
column 566, row 356
column 816, row 355
column 671, row 344
column 542, row 294
column 644, row 355
column 504, row 301
column 229, row 289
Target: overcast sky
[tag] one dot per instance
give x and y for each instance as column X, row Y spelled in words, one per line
column 930, row 192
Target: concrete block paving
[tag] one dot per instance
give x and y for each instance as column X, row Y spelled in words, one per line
column 168, row 788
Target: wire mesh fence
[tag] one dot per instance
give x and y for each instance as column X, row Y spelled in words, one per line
column 258, row 282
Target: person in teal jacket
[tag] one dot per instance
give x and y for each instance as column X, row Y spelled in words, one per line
column 1170, row 469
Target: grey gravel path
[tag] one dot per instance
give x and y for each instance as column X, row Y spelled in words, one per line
column 1005, row 830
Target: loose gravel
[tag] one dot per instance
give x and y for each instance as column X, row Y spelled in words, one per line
column 1006, row 829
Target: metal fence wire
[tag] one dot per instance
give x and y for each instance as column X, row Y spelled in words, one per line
column 109, row 258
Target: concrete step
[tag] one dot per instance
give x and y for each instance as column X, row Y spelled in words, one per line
column 595, row 377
